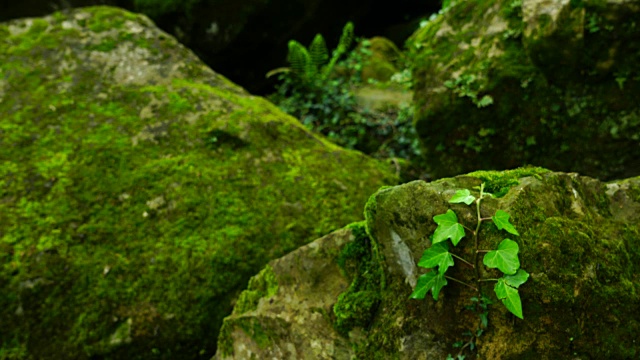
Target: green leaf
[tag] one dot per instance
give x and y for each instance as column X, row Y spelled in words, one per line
column 509, row 297
column 425, row 283
column 485, row 101
column 462, row 196
column 437, row 255
column 517, row 279
column 448, row 228
column 501, row 219
column 439, row 282
column 504, row 258
column 433, row 281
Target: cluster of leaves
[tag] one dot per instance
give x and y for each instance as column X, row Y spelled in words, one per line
column 313, row 91
column 439, row 259
column 463, row 86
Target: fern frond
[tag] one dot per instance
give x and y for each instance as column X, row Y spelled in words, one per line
column 299, row 58
column 346, row 39
column 318, row 51
column 343, row 45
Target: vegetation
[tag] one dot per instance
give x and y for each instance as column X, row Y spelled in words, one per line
column 318, row 90
column 438, row 259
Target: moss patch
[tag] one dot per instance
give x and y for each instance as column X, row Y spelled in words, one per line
column 498, row 183
column 260, row 286
column 357, row 306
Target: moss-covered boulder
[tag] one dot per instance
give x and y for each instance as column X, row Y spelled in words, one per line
column 500, row 84
column 285, row 312
column 139, row 190
column 579, row 240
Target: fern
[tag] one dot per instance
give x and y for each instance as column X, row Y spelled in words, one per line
column 343, row 45
column 298, row 58
column 318, row 53
column 307, row 64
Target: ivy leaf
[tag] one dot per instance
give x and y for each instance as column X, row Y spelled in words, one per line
column 448, row 227
column 509, row 297
column 504, row 258
column 501, row 219
column 433, row 281
column 462, row 196
column 425, row 283
column 439, row 283
column 517, row 279
column 437, row 255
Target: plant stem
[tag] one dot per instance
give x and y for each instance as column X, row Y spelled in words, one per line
column 461, row 282
column 489, row 279
column 466, row 345
column 475, row 237
column 482, row 251
column 461, row 259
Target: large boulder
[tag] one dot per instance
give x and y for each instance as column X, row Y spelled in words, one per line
column 579, row 240
column 499, row 84
column 139, row 190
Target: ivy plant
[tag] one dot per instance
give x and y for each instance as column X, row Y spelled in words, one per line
column 438, row 258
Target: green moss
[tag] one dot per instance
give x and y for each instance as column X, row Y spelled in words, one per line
column 115, row 205
column 225, row 340
column 357, row 305
column 263, row 285
column 108, row 18
column 253, row 328
column 498, row 183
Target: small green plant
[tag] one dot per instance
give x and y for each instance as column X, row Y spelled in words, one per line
column 438, row 259
column 309, row 65
column 463, row 86
column 318, row 93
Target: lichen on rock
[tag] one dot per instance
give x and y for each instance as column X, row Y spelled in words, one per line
column 139, row 190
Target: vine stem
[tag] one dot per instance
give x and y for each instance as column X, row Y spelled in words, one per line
column 461, row 282
column 473, row 337
column 463, row 260
column 468, row 228
column 476, row 241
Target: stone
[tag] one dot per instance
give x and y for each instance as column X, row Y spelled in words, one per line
column 140, row 190
column 508, row 83
column 306, row 284
column 579, row 241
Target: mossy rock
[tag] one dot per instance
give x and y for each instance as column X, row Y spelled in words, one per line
column 579, row 240
column 294, row 318
column 502, row 84
column 381, row 59
column 139, row 190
